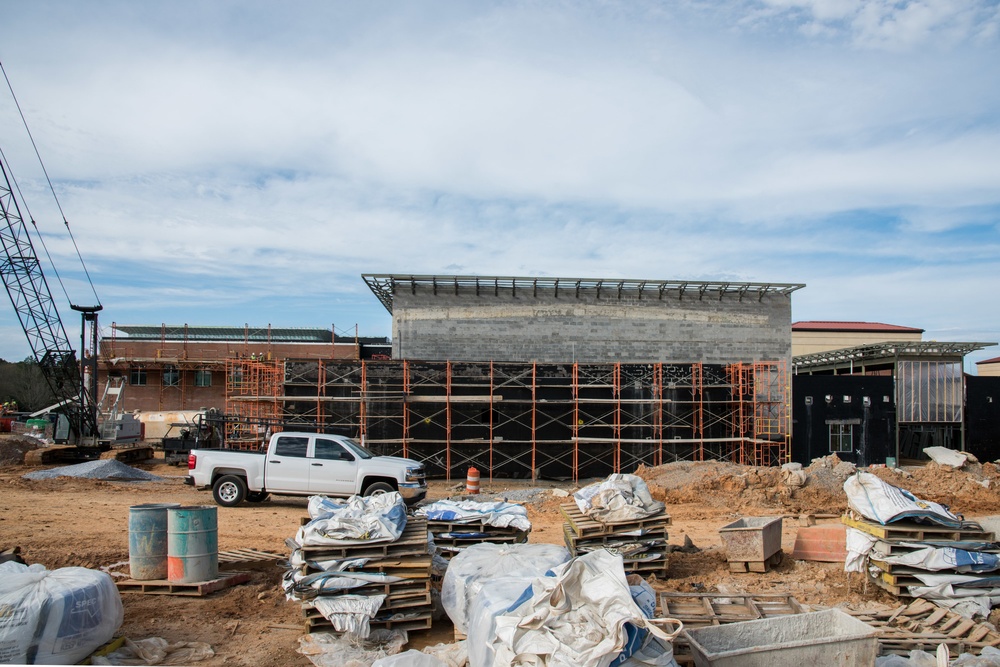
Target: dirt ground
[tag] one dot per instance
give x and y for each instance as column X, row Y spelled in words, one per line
column 82, row 522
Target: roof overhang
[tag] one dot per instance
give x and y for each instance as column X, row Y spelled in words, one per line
column 385, row 286
column 884, row 352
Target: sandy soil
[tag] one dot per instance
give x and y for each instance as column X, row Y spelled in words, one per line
column 81, row 522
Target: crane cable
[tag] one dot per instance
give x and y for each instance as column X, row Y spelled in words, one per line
column 54, row 196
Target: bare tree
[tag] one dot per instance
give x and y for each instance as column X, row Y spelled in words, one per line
column 24, row 383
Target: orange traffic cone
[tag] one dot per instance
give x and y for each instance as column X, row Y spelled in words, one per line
column 472, row 481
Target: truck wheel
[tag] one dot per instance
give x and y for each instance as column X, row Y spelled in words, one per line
column 257, row 496
column 377, row 489
column 229, row 491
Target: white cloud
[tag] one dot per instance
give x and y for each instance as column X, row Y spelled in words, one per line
column 234, row 162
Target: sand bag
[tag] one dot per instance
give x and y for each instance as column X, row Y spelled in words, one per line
column 55, row 617
column 872, row 498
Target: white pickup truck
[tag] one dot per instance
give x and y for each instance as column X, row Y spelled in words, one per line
column 303, row 464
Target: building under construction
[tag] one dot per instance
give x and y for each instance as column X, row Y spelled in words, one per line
column 546, row 377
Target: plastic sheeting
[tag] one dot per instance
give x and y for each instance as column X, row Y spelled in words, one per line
column 325, row 649
column 499, row 514
column 155, row 651
column 55, row 617
column 350, row 613
column 617, row 499
column 576, row 617
column 872, row 498
column 936, row 559
column 380, row 518
column 479, row 563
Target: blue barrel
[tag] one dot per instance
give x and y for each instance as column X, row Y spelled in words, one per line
column 192, row 544
column 147, row 540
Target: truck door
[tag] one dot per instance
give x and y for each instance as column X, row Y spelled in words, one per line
column 332, row 469
column 288, row 465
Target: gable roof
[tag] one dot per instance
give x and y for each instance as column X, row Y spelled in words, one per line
column 994, row 360
column 855, row 327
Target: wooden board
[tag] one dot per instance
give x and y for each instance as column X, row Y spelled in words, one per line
column 198, row 589
column 585, row 527
column 235, row 556
column 755, row 565
column 909, row 531
column 437, row 526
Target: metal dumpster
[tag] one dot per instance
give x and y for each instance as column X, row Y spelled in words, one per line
column 752, row 539
column 830, row 638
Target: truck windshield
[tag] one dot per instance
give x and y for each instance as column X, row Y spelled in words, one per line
column 355, row 447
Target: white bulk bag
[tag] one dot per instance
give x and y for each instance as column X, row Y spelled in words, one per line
column 55, row 617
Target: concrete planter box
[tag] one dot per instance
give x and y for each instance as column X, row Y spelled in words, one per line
column 830, row 638
column 752, row 539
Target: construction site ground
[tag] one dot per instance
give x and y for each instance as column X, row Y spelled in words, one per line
column 84, row 522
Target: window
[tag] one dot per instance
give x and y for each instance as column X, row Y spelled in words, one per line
column 841, row 437
column 288, row 445
column 137, row 377
column 331, row 450
column 171, row 376
column 203, row 378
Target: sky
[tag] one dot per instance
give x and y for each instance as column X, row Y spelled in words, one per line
column 228, row 163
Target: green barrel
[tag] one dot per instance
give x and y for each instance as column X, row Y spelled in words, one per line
column 192, row 544
column 147, row 540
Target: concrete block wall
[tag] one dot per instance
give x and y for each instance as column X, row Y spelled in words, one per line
column 589, row 328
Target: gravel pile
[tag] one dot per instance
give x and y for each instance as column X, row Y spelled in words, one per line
column 522, row 495
column 109, row 469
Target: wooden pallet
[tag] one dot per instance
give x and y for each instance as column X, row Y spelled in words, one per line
column 909, row 531
column 198, row 589
column 413, row 542
column 401, row 597
column 236, row 556
column 409, row 567
column 922, row 625
column 419, row 621
column 438, row 526
column 586, row 527
column 574, row 541
column 699, row 610
column 759, row 566
column 894, row 548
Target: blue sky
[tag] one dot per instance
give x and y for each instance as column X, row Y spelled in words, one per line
column 227, row 163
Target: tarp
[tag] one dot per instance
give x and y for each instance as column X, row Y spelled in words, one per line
column 878, row 501
column 935, row 559
column 380, row 518
column 498, row 514
column 577, row 617
column 618, row 499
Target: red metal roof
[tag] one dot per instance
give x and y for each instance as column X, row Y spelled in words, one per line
column 994, row 360
column 867, row 327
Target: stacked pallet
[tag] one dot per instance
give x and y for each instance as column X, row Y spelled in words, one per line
column 407, row 605
column 901, row 537
column 451, row 537
column 642, row 543
column 922, row 625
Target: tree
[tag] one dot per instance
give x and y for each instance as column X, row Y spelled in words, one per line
column 24, row 383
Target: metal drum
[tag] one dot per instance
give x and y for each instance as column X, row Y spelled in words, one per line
column 147, row 540
column 192, row 544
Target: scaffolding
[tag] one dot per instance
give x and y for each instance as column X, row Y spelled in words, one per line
column 255, row 400
column 529, row 420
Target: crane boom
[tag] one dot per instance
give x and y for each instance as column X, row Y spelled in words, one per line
column 36, row 310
